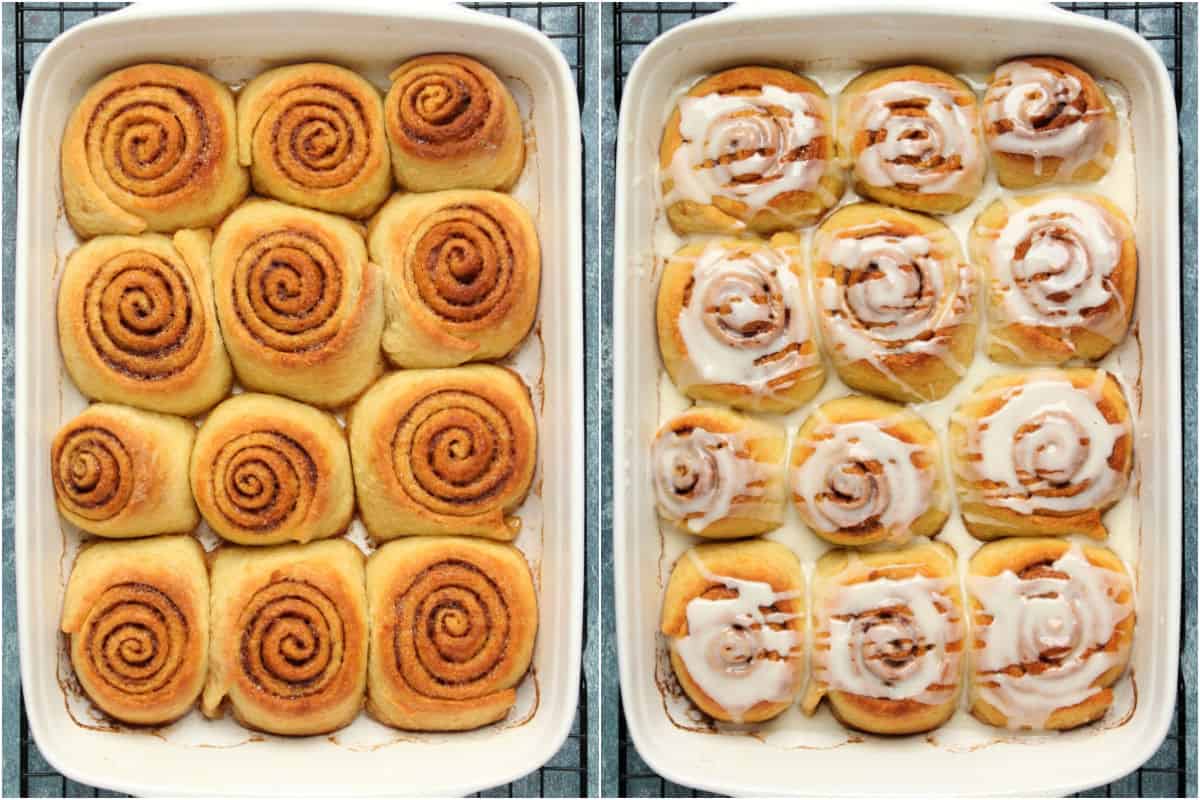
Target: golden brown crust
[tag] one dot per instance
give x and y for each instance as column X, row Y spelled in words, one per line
column 786, row 210
column 300, row 305
column 463, row 270
column 453, row 623
column 151, row 148
column 448, row 451
column 136, row 323
column 751, row 560
column 137, row 614
column 863, row 342
column 452, row 124
column 268, row 470
column 313, row 135
column 289, row 636
column 119, row 472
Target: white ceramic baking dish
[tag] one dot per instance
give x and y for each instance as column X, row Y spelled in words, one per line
column 235, row 41
column 828, row 36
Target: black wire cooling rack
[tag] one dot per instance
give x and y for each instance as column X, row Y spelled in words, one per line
column 35, row 26
column 635, row 25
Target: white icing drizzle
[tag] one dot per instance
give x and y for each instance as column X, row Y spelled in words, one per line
column 858, row 473
column 728, row 642
column 900, row 305
column 1046, row 436
column 699, row 473
column 929, row 141
column 890, row 638
column 1064, row 278
column 1040, row 105
column 744, row 147
column 1054, row 622
column 744, row 323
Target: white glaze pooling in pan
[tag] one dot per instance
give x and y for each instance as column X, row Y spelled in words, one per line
column 965, row 755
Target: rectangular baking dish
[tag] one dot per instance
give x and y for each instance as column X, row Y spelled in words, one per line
column 235, row 41
column 816, row 36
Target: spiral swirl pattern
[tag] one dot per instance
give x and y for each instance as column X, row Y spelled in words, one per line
column 445, row 104
column 93, row 473
column 698, row 475
column 292, row 639
column 134, row 639
column 462, row 265
column 142, row 315
column 263, row 480
column 320, row 135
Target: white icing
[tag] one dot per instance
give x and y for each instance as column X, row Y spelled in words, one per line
column 895, row 299
column 743, row 147
column 728, row 641
column 698, row 474
column 744, row 323
column 917, row 148
column 1046, row 436
column 1064, row 279
column 1056, row 623
column 890, row 638
column 858, row 472
column 1029, row 97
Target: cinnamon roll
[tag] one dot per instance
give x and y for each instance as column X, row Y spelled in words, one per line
column 301, row 307
column 453, row 622
column 1062, row 276
column 268, row 470
column 463, row 270
column 888, row 638
column 749, row 148
column 1046, row 121
column 151, row 148
column 452, row 124
column 289, row 636
column 718, row 474
column 865, row 471
column 733, row 615
column 911, row 134
column 897, row 302
column 734, row 327
column 137, row 615
column 443, row 451
column 119, row 472
column 136, row 323
column 1043, row 452
column 312, row 135
column 1053, row 632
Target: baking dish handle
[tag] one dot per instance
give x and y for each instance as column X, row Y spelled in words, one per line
column 187, row 7
column 1032, row 11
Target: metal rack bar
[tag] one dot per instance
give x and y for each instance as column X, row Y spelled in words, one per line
column 629, row 29
column 35, row 25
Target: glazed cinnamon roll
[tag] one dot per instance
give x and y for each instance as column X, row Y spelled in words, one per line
column 268, row 470
column 151, row 148
column 137, row 615
column 300, row 305
column 452, row 124
column 136, row 323
column 888, row 638
column 718, row 474
column 1053, row 632
column 911, row 135
column 734, row 327
column 1044, row 452
column 463, row 270
column 896, row 301
column 1062, row 276
column 733, row 615
column 312, row 135
column 119, row 472
column 1047, row 121
column 289, row 636
column 749, row 148
column 865, row 471
column 453, row 622
column 448, row 451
